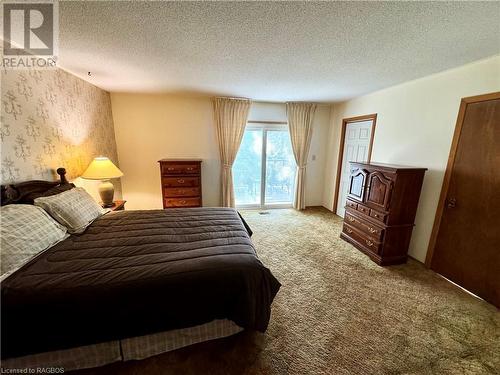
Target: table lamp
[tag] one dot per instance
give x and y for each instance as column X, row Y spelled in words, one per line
column 103, row 169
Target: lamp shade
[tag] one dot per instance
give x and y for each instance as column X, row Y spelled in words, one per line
column 101, row 168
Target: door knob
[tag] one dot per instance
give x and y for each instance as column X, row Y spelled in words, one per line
column 451, row 202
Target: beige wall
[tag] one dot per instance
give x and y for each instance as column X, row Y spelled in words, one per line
column 152, row 127
column 415, row 127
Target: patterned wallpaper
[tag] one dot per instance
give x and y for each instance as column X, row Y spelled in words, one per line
column 52, row 119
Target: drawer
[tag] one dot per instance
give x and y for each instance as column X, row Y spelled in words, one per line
column 378, row 215
column 362, row 239
column 371, row 230
column 181, row 192
column 175, row 169
column 363, row 209
column 182, row 202
column 351, row 204
column 180, row 182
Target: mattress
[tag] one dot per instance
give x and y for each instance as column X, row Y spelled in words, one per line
column 134, row 273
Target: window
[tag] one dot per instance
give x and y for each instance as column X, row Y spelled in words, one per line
column 264, row 169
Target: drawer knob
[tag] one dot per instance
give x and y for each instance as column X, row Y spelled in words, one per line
column 369, row 243
column 170, row 168
column 372, row 230
column 349, row 230
column 189, row 168
column 181, row 181
column 182, row 202
column 350, row 218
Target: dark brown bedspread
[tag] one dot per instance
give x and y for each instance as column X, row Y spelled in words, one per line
column 134, row 273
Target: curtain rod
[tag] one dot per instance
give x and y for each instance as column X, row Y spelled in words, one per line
column 232, row 97
column 267, row 122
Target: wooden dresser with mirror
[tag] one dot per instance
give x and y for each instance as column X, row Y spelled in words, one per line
column 181, row 182
column 382, row 201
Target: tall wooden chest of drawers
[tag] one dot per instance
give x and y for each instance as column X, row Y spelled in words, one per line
column 381, row 204
column 181, row 182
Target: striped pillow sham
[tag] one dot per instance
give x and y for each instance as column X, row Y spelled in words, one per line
column 75, row 209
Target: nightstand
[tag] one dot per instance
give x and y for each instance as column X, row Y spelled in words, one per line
column 118, row 206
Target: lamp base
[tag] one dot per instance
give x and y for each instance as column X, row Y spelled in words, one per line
column 107, row 192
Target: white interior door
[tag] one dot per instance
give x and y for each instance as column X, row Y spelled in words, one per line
column 356, row 148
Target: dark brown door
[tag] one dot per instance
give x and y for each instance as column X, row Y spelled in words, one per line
column 357, row 183
column 378, row 191
column 467, row 245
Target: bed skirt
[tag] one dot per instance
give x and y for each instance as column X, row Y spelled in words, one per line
column 123, row 350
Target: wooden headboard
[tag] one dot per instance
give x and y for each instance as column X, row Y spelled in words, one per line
column 16, row 193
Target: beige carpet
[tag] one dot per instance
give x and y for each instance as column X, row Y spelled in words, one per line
column 339, row 313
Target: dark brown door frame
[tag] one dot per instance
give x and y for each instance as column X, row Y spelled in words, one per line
column 449, row 168
column 346, row 121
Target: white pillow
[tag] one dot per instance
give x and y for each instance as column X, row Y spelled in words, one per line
column 25, row 231
column 75, row 209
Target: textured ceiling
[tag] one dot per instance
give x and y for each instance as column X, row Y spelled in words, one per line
column 276, row 51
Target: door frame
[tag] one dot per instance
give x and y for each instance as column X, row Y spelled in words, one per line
column 464, row 102
column 345, row 122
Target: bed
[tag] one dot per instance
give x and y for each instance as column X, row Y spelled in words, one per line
column 134, row 284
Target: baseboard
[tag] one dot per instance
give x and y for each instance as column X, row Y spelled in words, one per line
column 416, row 260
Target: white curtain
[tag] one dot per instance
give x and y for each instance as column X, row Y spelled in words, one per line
column 230, row 117
column 300, row 118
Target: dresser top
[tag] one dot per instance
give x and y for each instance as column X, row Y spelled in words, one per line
column 388, row 166
column 180, row 159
